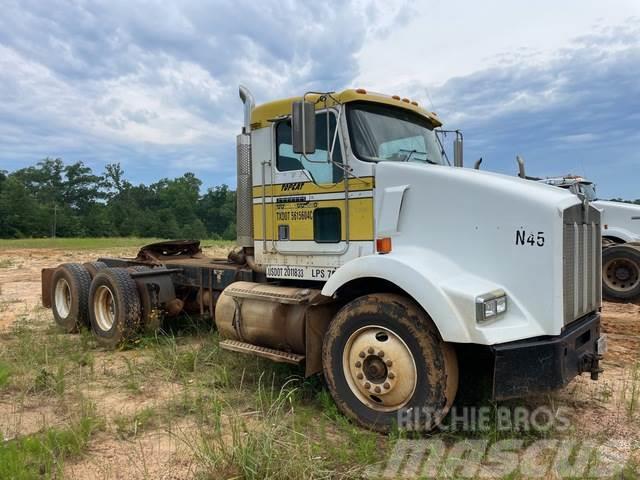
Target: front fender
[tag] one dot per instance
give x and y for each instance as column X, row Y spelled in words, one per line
column 444, row 290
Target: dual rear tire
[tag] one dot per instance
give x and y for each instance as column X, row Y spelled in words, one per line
column 114, row 307
column 104, row 299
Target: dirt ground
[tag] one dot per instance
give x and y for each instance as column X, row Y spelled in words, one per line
column 606, row 408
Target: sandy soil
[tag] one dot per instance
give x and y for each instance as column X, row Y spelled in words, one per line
column 599, row 409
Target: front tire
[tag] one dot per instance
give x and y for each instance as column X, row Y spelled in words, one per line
column 114, row 307
column 385, row 364
column 621, row 273
column 70, row 296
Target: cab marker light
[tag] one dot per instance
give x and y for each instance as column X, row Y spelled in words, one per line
column 383, row 245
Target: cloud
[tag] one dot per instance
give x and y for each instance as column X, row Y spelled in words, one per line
column 154, row 82
column 575, row 111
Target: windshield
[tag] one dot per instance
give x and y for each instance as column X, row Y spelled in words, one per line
column 588, row 190
column 386, row 133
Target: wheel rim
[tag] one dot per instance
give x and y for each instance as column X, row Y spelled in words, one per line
column 379, row 368
column 621, row 274
column 63, row 298
column 104, row 307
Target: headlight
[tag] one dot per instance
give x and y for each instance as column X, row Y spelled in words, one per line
column 490, row 305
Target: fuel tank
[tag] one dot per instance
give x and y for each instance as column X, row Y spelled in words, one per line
column 266, row 315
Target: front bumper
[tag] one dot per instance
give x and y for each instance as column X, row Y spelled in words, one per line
column 539, row 365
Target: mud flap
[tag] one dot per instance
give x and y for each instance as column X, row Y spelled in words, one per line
column 47, row 274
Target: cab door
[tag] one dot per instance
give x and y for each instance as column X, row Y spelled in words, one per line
column 308, row 193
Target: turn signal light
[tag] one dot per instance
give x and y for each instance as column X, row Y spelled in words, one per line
column 383, row 245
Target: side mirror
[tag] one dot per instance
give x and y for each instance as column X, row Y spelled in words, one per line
column 303, row 127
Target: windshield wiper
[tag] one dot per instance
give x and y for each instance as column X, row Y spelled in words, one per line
column 411, row 152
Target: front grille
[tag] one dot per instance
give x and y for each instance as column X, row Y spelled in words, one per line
column 582, row 262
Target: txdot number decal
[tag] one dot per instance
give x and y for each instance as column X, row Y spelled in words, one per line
column 304, row 272
column 529, row 238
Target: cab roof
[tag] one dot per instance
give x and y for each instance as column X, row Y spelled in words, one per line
column 262, row 115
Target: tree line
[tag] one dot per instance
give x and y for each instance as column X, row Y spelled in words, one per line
column 52, row 198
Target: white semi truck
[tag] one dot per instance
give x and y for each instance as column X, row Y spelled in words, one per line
column 365, row 256
column 620, row 236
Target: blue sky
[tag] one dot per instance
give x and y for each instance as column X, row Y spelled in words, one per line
column 153, row 84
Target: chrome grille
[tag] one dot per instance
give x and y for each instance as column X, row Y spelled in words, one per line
column 582, row 262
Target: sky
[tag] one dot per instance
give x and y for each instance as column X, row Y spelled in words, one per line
column 153, row 84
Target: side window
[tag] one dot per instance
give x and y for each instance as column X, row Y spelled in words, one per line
column 327, row 225
column 320, row 170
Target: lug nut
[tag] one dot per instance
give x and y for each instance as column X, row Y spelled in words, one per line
column 370, row 350
column 386, row 385
column 381, row 354
column 358, row 364
column 367, row 385
column 377, row 389
column 389, row 363
column 391, row 375
column 362, row 354
column 360, row 376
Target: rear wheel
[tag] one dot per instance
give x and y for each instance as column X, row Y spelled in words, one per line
column 70, row 296
column 385, row 364
column 94, row 267
column 621, row 273
column 115, row 310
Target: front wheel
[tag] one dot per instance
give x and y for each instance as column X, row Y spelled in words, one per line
column 385, row 364
column 621, row 273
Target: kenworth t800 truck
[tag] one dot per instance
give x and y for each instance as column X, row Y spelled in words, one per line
column 363, row 255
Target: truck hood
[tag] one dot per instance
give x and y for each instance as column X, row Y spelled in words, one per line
column 620, row 221
column 476, row 231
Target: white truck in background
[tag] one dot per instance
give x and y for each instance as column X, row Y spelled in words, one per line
column 620, row 236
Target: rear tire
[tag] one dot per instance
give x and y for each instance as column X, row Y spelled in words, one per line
column 621, row 273
column 70, row 296
column 94, row 267
column 114, row 307
column 386, row 365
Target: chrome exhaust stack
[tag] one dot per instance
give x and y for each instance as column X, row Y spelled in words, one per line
column 521, row 171
column 249, row 104
column 244, row 189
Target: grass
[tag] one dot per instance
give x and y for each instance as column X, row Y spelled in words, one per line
column 6, row 263
column 42, row 455
column 91, row 243
column 235, row 416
